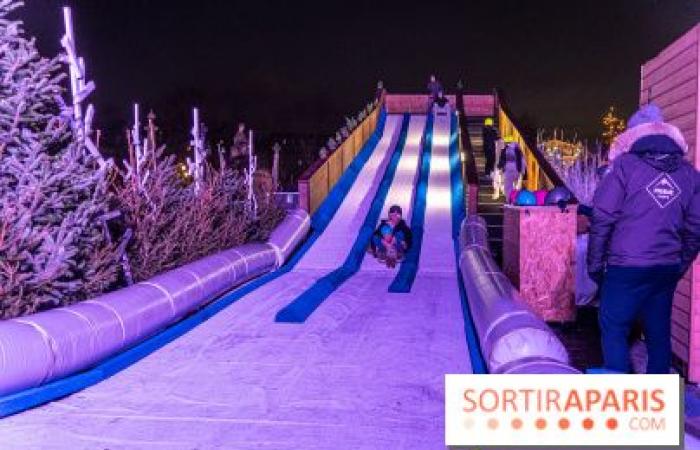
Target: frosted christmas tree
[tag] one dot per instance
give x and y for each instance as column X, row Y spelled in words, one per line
column 54, row 193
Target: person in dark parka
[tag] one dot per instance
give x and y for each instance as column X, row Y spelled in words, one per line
column 645, row 233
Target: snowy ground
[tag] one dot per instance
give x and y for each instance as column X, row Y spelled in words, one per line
column 366, row 371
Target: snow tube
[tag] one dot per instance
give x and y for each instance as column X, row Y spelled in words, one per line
column 512, row 338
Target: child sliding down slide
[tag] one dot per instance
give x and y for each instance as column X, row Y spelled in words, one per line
column 392, row 238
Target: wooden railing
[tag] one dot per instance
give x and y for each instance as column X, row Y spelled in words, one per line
column 539, row 172
column 318, row 180
column 473, row 104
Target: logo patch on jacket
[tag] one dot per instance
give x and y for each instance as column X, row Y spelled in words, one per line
column 663, row 190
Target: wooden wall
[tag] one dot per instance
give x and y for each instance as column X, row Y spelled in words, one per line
column 670, row 80
column 318, row 180
column 480, row 105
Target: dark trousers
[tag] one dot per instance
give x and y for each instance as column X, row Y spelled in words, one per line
column 490, row 153
column 631, row 293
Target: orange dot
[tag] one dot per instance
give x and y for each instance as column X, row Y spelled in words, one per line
column 517, row 424
column 564, row 424
column 588, row 424
column 541, row 424
column 493, row 424
column 612, row 424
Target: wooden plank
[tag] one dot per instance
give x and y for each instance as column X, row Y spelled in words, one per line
column 688, row 39
column 686, row 57
column 679, row 110
column 681, row 317
column 356, row 138
column 479, row 105
column 686, row 122
column 348, row 153
column 683, row 92
column 319, row 186
column 680, row 333
column 680, row 349
column 683, row 288
column 678, row 328
column 682, row 301
column 335, row 168
column 672, row 81
column 406, row 103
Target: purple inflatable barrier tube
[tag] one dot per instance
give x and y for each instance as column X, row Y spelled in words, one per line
column 42, row 347
column 512, row 338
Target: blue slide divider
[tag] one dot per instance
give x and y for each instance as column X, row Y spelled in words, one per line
column 409, row 267
column 458, row 214
column 30, row 398
column 305, row 304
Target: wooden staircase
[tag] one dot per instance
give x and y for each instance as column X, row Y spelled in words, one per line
column 491, row 210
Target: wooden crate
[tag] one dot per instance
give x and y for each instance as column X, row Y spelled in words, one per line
column 539, row 258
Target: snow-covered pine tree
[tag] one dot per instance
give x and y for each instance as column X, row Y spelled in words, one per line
column 53, row 193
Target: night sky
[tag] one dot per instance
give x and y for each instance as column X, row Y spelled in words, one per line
column 300, row 66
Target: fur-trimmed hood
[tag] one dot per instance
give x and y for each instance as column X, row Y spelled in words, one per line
column 648, row 121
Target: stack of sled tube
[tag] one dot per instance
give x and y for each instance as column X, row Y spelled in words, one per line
column 49, row 345
column 512, row 338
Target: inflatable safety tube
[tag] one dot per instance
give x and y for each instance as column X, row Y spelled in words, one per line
column 536, row 366
column 42, row 347
column 509, row 333
column 473, row 233
column 285, row 238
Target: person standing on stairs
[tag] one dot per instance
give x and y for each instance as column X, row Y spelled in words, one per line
column 489, row 135
column 645, row 234
column 511, row 165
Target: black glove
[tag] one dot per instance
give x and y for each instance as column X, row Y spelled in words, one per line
column 597, row 277
column 584, row 210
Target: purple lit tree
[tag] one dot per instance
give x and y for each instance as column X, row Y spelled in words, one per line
column 54, row 190
column 174, row 222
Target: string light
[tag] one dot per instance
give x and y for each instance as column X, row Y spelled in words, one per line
column 612, row 126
